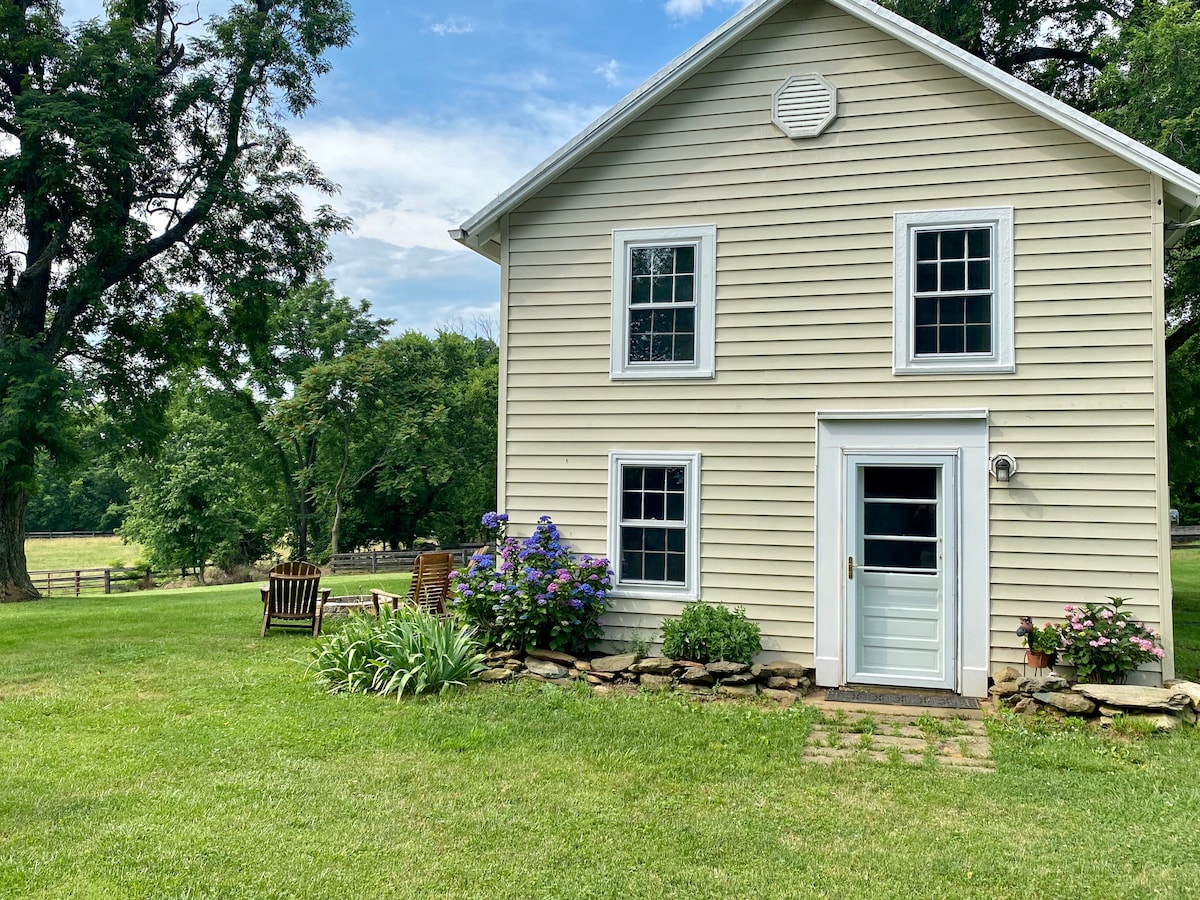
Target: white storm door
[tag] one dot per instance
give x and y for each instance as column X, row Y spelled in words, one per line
column 902, row 537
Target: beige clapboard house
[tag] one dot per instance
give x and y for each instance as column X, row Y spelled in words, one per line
column 777, row 327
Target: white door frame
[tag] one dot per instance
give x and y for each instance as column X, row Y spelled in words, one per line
column 947, row 463
column 842, row 434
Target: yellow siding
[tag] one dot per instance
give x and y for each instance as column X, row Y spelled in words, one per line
column 804, row 323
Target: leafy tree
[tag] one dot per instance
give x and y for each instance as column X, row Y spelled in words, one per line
column 188, row 503
column 436, row 479
column 405, row 434
column 312, row 327
column 137, row 156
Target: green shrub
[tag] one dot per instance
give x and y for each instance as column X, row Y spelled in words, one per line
column 706, row 633
column 404, row 652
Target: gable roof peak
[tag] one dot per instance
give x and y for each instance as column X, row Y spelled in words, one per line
column 1179, row 183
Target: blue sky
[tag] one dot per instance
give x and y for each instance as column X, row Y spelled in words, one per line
column 435, row 109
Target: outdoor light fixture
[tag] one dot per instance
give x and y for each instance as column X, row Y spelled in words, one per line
column 1003, row 467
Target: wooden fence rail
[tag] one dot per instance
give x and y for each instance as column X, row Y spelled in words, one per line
column 68, row 534
column 79, row 581
column 390, row 560
column 1182, row 535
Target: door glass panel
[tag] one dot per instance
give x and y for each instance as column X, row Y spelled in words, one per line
column 899, row 519
column 907, row 519
column 886, row 554
column 900, row 482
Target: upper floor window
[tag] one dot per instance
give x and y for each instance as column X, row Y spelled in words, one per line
column 662, row 303
column 953, row 291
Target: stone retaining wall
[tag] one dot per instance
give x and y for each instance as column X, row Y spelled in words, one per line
column 779, row 680
column 1166, row 708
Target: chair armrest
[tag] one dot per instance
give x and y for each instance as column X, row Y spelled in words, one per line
column 266, row 592
column 378, row 594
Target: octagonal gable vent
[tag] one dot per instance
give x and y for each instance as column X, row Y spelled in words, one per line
column 804, row 106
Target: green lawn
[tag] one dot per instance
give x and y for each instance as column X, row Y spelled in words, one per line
column 154, row 746
column 44, row 554
column 1185, row 579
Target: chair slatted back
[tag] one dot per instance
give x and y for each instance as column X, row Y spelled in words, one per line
column 294, row 589
column 431, row 582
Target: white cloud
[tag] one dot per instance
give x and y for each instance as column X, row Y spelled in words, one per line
column 610, row 72
column 407, row 184
column 689, row 9
column 453, row 25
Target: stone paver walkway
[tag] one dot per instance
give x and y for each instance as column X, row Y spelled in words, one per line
column 916, row 739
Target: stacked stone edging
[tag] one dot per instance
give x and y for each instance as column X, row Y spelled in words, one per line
column 779, row 679
column 1176, row 703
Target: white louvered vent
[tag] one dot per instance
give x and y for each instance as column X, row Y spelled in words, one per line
column 804, row 106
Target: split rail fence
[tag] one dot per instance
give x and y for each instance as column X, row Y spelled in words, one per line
column 74, row 582
column 391, row 560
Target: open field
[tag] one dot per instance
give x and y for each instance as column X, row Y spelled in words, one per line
column 80, row 553
column 154, row 746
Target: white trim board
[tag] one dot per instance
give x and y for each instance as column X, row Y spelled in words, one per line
column 1180, row 183
column 841, row 435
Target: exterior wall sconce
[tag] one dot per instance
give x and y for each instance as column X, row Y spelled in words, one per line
column 1003, row 467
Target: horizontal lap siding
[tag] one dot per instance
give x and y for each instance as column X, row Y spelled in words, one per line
column 804, row 323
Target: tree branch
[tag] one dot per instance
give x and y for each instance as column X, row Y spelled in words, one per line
column 76, row 301
column 1036, row 54
column 1182, row 334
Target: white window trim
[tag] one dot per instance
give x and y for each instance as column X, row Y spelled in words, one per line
column 1001, row 359
column 688, row 591
column 704, row 239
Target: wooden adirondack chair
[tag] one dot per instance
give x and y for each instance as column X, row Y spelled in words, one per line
column 293, row 598
column 430, row 587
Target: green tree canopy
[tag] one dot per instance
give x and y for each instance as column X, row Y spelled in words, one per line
column 141, row 158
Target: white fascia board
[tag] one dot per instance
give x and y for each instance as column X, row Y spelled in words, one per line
column 1179, row 182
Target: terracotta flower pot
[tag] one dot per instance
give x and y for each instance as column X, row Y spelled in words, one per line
column 1037, row 659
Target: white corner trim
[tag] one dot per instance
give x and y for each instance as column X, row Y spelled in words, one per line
column 690, row 459
column 704, row 239
column 1002, row 359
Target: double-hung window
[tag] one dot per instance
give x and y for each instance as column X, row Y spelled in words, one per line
column 662, row 302
column 654, row 521
column 954, row 291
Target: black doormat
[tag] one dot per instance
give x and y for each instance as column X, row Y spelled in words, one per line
column 888, row 698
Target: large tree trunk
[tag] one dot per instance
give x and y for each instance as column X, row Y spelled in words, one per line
column 15, row 585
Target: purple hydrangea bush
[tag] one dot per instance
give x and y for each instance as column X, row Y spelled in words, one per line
column 1106, row 642
column 533, row 593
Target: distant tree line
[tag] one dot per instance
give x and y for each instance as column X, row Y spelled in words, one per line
column 328, row 437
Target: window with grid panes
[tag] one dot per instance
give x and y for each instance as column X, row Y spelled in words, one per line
column 662, row 302
column 954, row 291
column 952, row 300
column 653, row 524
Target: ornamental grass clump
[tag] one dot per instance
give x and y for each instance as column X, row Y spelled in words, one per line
column 406, row 652
column 533, row 593
column 1105, row 641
